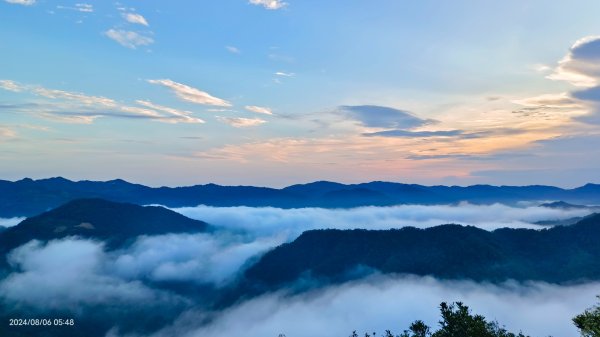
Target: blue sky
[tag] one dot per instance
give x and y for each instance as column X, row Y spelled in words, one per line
column 268, row 92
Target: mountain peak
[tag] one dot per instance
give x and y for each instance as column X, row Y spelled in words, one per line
column 113, row 222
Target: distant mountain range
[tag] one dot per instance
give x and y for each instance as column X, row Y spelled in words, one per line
column 559, row 255
column 29, row 197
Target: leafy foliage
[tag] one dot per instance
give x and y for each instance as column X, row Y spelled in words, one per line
column 588, row 322
column 457, row 321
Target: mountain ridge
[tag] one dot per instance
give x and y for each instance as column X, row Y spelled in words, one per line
column 562, row 254
column 111, row 222
column 27, row 197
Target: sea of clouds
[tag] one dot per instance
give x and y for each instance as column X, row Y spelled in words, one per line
column 82, row 277
column 393, row 302
column 267, row 221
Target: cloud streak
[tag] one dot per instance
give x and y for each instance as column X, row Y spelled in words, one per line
column 239, row 122
column 21, row 2
column 11, row 86
column 190, row 94
column 128, row 38
column 233, row 50
column 259, row 109
column 405, row 133
column 75, row 107
column 269, row 4
column 81, row 7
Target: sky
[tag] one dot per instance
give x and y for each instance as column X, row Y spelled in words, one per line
column 273, row 92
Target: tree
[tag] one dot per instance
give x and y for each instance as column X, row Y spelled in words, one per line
column 457, row 321
column 419, row 329
column 588, row 322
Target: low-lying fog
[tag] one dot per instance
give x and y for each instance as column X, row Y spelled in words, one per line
column 292, row 222
column 10, row 222
column 381, row 303
column 82, row 277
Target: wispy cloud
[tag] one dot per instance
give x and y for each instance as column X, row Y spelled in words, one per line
column 179, row 114
column 269, row 4
column 75, row 107
column 239, row 122
column 74, row 96
column 560, row 100
column 129, row 39
column 10, row 86
column 80, row 7
column 259, row 109
column 21, row 2
column 135, row 18
column 6, row 132
column 232, row 49
column 405, row 133
column 191, row 94
column 284, row 74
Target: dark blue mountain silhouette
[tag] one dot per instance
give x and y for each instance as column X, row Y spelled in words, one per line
column 29, row 197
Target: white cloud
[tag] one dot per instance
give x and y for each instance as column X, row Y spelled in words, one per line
column 581, row 66
column 74, row 107
column 73, row 272
column 10, row 86
column 74, row 96
column 190, row 94
column 268, row 221
column 185, row 116
column 380, row 303
column 259, row 109
column 84, row 8
column 21, row 2
column 81, row 7
column 67, row 274
column 135, row 18
column 233, row 49
column 129, row 39
column 239, row 122
column 201, row 258
column 11, row 221
column 284, row 74
column 269, row 4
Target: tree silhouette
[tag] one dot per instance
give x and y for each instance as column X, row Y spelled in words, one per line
column 588, row 322
column 456, row 321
